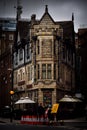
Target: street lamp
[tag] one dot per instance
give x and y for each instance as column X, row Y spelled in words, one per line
column 11, row 95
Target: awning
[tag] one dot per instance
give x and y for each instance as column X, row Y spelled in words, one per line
column 24, row 100
column 68, row 98
column 27, row 100
column 20, row 101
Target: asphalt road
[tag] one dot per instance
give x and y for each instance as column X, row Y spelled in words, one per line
column 6, row 126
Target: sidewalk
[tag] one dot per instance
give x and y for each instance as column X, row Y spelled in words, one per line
column 78, row 122
column 62, row 122
column 80, row 119
column 7, row 120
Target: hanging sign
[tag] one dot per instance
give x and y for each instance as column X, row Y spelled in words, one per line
column 55, row 108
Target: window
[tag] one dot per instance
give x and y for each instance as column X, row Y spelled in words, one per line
column 27, row 51
column 11, row 37
column 36, row 96
column 47, row 97
column 54, row 47
column 30, row 95
column 44, row 71
column 49, row 71
column 21, row 74
column 19, row 77
column 54, row 71
column 20, row 54
column 15, row 77
column 38, row 71
column 28, row 73
column 38, row 47
column 15, row 58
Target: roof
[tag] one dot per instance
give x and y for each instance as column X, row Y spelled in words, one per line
column 47, row 14
column 67, row 28
column 23, row 28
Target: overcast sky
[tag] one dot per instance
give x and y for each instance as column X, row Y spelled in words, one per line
column 60, row 10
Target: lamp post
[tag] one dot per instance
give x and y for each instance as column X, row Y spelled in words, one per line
column 11, row 88
column 12, row 47
column 11, row 95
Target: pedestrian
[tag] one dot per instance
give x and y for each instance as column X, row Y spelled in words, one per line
column 49, row 115
column 41, row 110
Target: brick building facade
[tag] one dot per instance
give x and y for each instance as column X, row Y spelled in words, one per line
column 81, row 81
column 7, row 31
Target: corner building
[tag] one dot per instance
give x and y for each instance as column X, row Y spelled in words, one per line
column 50, row 74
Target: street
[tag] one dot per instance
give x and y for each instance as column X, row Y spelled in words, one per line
column 12, row 126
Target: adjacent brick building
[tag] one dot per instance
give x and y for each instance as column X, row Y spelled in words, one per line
column 7, row 31
column 81, row 81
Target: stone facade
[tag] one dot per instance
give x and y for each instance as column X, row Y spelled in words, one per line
column 50, row 72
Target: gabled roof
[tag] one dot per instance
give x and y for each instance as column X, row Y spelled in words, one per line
column 46, row 17
column 68, row 28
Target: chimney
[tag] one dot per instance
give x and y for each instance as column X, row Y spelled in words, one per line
column 33, row 19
